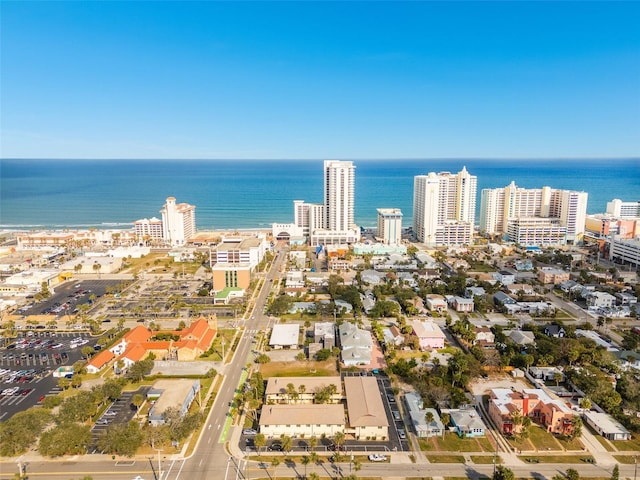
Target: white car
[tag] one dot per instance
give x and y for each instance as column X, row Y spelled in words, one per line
column 377, row 458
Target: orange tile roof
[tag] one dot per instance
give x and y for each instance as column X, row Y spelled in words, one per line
column 196, row 329
column 101, row 359
column 138, row 335
column 135, row 353
column 157, row 345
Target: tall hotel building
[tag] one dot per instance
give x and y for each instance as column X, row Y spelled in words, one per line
column 390, row 225
column 444, row 206
column 542, row 216
column 178, row 222
column 331, row 222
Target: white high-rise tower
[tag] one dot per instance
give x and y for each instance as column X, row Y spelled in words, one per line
column 339, row 188
column 444, row 206
column 178, row 222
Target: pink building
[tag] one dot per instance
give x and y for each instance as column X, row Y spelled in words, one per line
column 429, row 334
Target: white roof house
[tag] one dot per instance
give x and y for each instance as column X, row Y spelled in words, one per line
column 285, row 335
column 607, row 426
column 356, row 345
column 418, row 417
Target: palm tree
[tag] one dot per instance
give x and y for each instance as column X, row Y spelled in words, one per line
column 338, row 438
column 274, row 463
column 287, row 443
column 305, row 461
column 429, row 419
column 314, row 476
column 313, row 443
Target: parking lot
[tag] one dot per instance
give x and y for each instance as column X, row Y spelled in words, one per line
column 68, row 296
column 397, row 441
column 27, row 362
column 121, row 411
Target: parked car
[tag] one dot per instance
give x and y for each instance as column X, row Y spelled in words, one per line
column 275, row 447
column 377, row 458
column 402, row 434
column 249, row 431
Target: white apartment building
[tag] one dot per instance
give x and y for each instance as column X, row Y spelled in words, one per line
column 537, row 231
column 178, row 222
column 619, row 209
column 390, row 225
column 500, row 207
column 444, row 206
column 148, row 229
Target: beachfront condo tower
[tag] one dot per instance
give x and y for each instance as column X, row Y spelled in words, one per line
column 444, row 206
column 178, row 222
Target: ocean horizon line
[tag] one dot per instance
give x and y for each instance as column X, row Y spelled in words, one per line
column 308, row 159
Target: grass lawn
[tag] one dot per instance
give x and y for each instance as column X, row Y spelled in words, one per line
column 543, row 440
column 627, row 445
column 484, row 459
column 445, row 458
column 327, row 368
column 626, row 459
column 452, row 443
column 567, row 444
column 555, row 458
column 227, row 334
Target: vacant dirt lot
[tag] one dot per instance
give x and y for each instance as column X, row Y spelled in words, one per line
column 483, row 385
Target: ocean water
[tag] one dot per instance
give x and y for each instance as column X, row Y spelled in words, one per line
column 249, row 194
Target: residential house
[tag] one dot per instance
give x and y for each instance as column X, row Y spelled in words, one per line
column 466, row 422
column 521, row 337
column 471, row 292
column 356, row 345
column 429, row 334
column 520, row 289
column 598, row 300
column 393, row 336
column 325, row 333
column 504, row 277
column 461, row 304
column 436, row 303
column 418, row 415
column 607, row 426
column 501, row 299
column 554, row 330
column 484, row 337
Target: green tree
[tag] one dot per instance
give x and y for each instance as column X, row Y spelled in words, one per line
column 615, row 475
column 339, row 438
column 274, row 463
column 137, row 401
column 120, row 439
column 21, row 430
column 287, row 443
column 65, row 439
column 572, row 474
column 305, row 460
column 259, row 441
column 503, row 473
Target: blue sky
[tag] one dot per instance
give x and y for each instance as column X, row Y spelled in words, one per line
column 349, row 80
